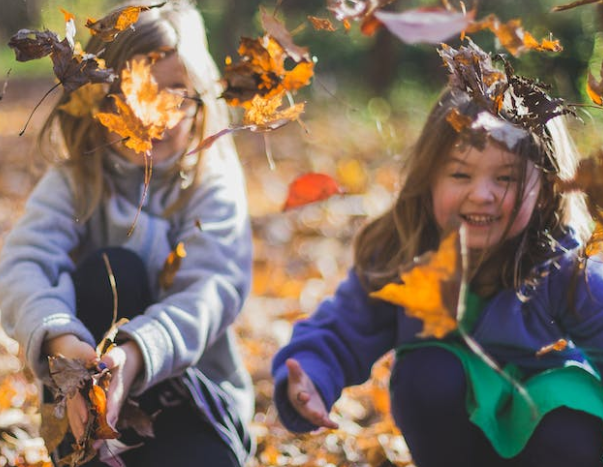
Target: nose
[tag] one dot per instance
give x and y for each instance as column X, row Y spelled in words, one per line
column 482, row 190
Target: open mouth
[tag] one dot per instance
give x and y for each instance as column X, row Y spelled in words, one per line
column 479, row 220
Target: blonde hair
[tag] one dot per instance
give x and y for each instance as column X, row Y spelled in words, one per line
column 79, row 142
column 408, row 229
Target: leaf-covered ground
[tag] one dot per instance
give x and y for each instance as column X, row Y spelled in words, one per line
column 300, row 256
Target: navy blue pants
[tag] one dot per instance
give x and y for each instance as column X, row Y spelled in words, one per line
column 428, row 389
column 182, row 437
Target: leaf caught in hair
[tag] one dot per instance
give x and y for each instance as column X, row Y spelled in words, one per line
column 578, row 3
column 171, row 266
column 261, row 70
column 108, row 27
column 310, row 188
column 425, row 25
column 556, row 346
column 145, row 113
column 513, row 37
column 430, row 289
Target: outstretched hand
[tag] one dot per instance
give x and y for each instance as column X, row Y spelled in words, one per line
column 305, row 398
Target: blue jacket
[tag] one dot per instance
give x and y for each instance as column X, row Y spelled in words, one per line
column 340, row 342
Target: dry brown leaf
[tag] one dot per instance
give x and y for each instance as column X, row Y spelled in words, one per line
column 108, row 27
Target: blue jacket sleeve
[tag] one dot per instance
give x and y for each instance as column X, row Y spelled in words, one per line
column 580, row 311
column 336, row 347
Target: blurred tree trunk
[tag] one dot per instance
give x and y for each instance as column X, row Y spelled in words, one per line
column 18, row 14
column 381, row 61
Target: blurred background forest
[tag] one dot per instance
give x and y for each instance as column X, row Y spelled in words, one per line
column 367, row 100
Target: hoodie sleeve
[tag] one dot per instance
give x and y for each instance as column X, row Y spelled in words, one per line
column 37, row 298
column 211, row 284
column 336, row 347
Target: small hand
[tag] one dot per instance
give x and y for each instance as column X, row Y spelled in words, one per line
column 305, row 398
column 125, row 363
column 69, row 346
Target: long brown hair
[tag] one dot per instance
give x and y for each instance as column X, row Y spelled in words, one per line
column 79, row 142
column 408, row 229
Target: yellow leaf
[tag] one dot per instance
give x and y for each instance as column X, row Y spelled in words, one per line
column 429, row 291
column 85, row 100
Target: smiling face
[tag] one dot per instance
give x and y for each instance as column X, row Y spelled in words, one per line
column 169, row 73
column 479, row 189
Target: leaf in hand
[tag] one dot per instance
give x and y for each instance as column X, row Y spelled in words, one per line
column 310, row 188
column 425, row 25
column 108, row 27
column 52, row 428
column 132, row 416
column 98, row 404
column 430, row 289
column 171, row 266
column 69, row 374
column 146, row 112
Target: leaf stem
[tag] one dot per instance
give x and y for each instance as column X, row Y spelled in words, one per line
column 38, row 105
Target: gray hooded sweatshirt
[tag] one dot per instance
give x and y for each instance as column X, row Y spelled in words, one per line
column 189, row 324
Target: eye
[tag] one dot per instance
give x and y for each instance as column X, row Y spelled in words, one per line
column 510, row 178
column 459, row 175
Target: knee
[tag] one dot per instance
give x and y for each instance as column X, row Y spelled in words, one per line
column 431, row 380
column 566, row 437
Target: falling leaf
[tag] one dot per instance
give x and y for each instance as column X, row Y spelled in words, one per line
column 309, row 188
column 146, row 112
column 594, row 88
column 430, row 289
column 594, row 246
column 362, row 11
column 31, row 45
column 108, row 27
column 425, row 25
column 261, row 70
column 321, row 24
column 85, row 100
column 556, row 346
column 578, row 3
column 513, row 37
column 264, row 113
column 279, row 33
column 171, row 266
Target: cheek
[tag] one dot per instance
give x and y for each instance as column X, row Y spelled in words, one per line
column 444, row 205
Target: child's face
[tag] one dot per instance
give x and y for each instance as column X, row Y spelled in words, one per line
column 169, row 73
column 479, row 189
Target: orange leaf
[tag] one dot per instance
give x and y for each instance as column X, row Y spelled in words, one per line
column 594, row 88
column 309, row 188
column 321, row 24
column 171, row 266
column 111, row 25
column 264, row 112
column 85, row 100
column 98, row 401
column 430, row 290
column 146, row 112
column 556, row 346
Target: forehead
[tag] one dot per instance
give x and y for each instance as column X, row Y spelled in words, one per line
column 491, row 156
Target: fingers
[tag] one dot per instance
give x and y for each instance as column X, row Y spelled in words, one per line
column 296, row 373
